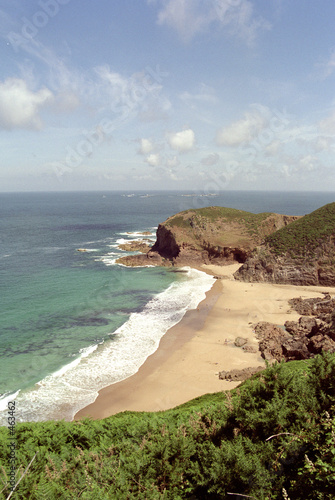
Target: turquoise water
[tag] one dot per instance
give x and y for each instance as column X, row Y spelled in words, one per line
column 73, row 322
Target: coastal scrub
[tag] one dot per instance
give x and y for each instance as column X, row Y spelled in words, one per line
column 274, row 432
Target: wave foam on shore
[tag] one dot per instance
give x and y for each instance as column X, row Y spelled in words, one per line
column 61, row 394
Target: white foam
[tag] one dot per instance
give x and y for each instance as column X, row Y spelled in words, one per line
column 109, row 259
column 139, row 234
column 122, row 241
column 83, row 354
column 6, row 398
column 63, row 393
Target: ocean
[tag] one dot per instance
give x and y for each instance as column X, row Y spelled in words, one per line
column 73, row 322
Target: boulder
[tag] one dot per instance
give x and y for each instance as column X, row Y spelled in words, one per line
column 239, row 341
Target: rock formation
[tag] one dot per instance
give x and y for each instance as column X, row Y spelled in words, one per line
column 209, row 235
column 301, row 254
column 141, row 246
column 300, row 339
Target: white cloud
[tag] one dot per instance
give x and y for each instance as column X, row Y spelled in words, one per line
column 205, row 95
column 323, row 143
column 308, row 163
column 146, row 146
column 182, row 141
column 153, row 160
column 242, row 131
column 19, row 106
column 184, row 17
column 192, row 17
column 238, row 18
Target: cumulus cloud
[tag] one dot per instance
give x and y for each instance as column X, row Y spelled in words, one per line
column 19, row 106
column 153, row 160
column 192, row 17
column 146, row 146
column 242, row 131
column 182, row 141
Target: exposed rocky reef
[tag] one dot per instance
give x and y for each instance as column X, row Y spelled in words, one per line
column 141, row 246
column 301, row 254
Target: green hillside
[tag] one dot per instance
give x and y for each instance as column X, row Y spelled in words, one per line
column 270, row 438
column 303, row 236
column 223, row 226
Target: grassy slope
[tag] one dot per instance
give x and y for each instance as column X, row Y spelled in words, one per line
column 303, row 236
column 207, row 447
column 224, row 226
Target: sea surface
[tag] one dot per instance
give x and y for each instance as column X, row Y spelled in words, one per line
column 72, row 322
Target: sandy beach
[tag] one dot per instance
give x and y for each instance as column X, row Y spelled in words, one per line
column 192, row 353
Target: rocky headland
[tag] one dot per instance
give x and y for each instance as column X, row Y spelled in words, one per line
column 302, row 253
column 209, row 235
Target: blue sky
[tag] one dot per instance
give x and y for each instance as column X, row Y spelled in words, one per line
column 167, row 94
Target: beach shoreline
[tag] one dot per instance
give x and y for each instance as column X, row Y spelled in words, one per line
column 191, row 353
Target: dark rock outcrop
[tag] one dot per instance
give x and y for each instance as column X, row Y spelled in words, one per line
column 301, row 339
column 271, row 339
column 240, row 341
column 313, row 306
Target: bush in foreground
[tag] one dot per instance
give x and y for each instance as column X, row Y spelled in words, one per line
column 273, row 437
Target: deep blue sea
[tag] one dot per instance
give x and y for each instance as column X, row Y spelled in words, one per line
column 73, row 322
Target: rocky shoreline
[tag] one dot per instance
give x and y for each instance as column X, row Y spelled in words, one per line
column 312, row 334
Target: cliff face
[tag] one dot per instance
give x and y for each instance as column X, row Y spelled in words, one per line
column 213, row 234
column 264, row 266
column 301, row 254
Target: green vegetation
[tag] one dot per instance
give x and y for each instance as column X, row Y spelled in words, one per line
column 304, row 235
column 178, row 221
column 273, row 437
column 219, row 219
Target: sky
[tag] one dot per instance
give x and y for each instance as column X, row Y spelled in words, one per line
column 201, row 95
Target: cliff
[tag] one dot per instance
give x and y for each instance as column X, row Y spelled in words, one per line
column 213, row 234
column 301, row 254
